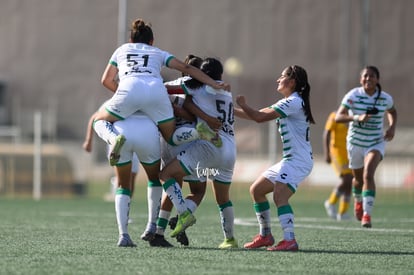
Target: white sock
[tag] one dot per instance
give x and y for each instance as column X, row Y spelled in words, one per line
column 191, row 205
column 154, row 194
column 184, row 135
column 286, row 222
column 262, row 210
column 105, row 130
column 264, row 220
column 173, row 190
column 368, row 204
column 162, row 221
column 122, row 204
column 227, row 219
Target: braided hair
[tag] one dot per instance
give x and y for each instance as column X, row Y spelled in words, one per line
column 302, row 87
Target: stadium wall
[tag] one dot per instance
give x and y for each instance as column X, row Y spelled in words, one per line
column 52, row 53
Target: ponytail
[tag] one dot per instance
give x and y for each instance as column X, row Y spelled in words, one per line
column 303, row 88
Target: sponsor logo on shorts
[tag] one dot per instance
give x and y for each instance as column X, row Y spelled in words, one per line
column 205, row 172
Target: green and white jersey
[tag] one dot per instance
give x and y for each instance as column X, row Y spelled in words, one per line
column 293, row 129
column 138, row 59
column 371, row 132
column 215, row 103
column 178, row 99
column 202, row 159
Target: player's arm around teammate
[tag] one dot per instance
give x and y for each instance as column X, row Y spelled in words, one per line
column 203, row 159
column 140, row 88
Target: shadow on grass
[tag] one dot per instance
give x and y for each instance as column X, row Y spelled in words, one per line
column 368, row 252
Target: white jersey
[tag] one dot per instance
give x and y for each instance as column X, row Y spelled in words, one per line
column 294, row 130
column 178, row 82
column 139, row 59
column 169, row 152
column 369, row 133
column 141, row 86
column 215, row 103
column 297, row 162
column 202, row 159
column 178, row 99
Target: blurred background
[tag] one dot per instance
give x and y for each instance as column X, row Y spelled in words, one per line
column 53, row 53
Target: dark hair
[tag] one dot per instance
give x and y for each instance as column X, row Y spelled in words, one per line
column 211, row 67
column 302, row 87
column 376, row 72
column 141, row 32
column 193, row 60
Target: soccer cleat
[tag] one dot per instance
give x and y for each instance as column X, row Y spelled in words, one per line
column 343, row 217
column 184, row 221
column 159, row 241
column 206, row 133
column 285, row 245
column 116, row 149
column 125, row 241
column 330, row 209
column 366, row 221
column 260, row 241
column 358, row 210
column 229, row 244
column 181, row 237
column 147, row 235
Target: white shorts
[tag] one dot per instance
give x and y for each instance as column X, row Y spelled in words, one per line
column 204, row 160
column 142, row 138
column 147, row 95
column 135, row 161
column 356, row 154
column 289, row 172
column 135, row 164
column 169, row 152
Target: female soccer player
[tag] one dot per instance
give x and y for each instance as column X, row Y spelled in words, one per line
column 147, row 148
column 293, row 116
column 203, row 159
column 334, row 144
column 138, row 65
column 168, row 153
column 365, row 107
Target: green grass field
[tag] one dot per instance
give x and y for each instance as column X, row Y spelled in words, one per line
column 78, row 236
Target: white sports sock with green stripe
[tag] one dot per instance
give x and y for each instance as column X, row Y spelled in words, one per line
column 227, row 219
column 154, row 194
column 368, row 198
column 262, row 210
column 162, row 221
column 105, row 130
column 122, row 204
column 191, row 205
column 173, row 190
column 286, row 220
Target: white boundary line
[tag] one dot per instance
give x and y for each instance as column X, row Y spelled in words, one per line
column 253, row 222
